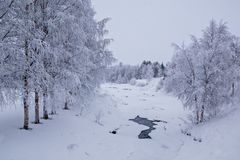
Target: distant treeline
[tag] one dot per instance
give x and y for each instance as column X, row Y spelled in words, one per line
column 125, row 73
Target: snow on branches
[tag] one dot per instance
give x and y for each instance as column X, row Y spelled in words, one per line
column 205, row 73
column 50, row 47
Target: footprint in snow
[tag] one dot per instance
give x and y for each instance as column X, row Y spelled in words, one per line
column 164, row 146
column 197, row 139
column 130, row 155
column 187, row 133
column 72, row 147
column 127, row 89
column 87, row 154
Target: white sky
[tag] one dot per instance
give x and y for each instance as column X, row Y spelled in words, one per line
column 145, row 29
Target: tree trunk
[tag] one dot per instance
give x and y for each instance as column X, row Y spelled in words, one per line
column 45, row 112
column 25, row 104
column 197, row 115
column 25, row 88
column 233, row 90
column 53, row 108
column 37, row 119
column 202, row 114
column 66, row 105
column 197, row 109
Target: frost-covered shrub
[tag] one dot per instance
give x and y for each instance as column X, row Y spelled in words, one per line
column 133, row 81
column 141, row 83
column 160, row 85
column 98, row 117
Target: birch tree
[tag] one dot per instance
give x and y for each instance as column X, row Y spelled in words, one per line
column 199, row 73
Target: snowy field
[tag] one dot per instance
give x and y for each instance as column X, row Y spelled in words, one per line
column 70, row 136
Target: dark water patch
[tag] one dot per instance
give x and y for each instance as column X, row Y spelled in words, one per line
column 162, row 121
column 145, row 133
column 146, row 122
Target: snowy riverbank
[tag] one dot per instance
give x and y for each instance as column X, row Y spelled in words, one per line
column 69, row 136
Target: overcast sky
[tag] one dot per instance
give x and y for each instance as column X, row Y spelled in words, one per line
column 145, row 29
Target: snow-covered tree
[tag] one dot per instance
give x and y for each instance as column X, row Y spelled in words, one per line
column 121, row 73
column 50, row 47
column 199, row 73
column 156, row 69
column 146, row 70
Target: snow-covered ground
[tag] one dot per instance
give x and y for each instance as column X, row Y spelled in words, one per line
column 70, row 136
